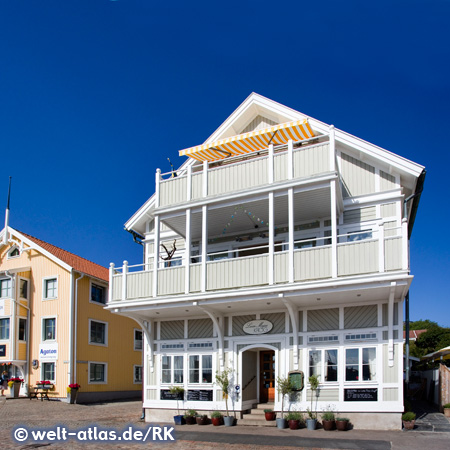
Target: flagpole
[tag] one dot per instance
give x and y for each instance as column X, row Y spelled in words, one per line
column 5, row 236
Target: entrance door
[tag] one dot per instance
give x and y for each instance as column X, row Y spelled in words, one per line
column 267, row 376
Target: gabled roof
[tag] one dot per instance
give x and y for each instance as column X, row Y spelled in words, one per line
column 63, row 257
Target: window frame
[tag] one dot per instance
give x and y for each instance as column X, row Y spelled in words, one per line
column 323, row 366
column 43, row 377
column 8, row 328
column 11, row 250
column 172, row 369
column 360, row 364
column 137, row 381
column 105, row 292
column 27, row 281
column 43, row 329
column 105, row 372
column 137, row 330
column 8, row 289
column 200, row 368
column 25, row 329
column 102, row 344
column 45, row 280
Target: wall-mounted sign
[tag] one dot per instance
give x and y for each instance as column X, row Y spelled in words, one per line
column 257, row 327
column 2, row 350
column 166, row 395
column 361, row 395
column 35, row 364
column 297, row 378
column 202, row 395
column 48, row 352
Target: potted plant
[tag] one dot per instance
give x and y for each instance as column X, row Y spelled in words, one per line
column 223, row 380
column 72, row 390
column 294, row 418
column 270, row 414
column 178, row 392
column 311, row 421
column 284, row 387
column 409, row 419
column 45, row 384
column 202, row 419
column 216, row 418
column 342, row 423
column 328, row 420
column 190, row 416
column 14, row 385
column 447, row 409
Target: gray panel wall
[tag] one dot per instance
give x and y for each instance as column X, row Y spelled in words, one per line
column 238, row 323
column 173, row 329
column 323, row 319
column 200, row 328
column 278, row 320
column 360, row 317
column 385, row 314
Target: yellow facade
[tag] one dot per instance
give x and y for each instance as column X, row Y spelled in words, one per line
column 24, row 356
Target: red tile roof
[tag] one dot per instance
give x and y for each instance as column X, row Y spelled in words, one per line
column 76, row 262
column 413, row 334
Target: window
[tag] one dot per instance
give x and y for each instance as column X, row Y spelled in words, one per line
column 354, row 236
column 50, row 288
column 4, row 328
column 14, row 253
column 171, row 369
column 49, row 329
column 98, row 333
column 48, row 371
column 137, row 378
column 98, row 294
column 360, row 364
column 200, row 369
column 173, row 262
column 137, row 339
column 22, row 330
column 304, row 243
column 5, row 288
column 323, row 362
column 23, row 288
column 97, row 372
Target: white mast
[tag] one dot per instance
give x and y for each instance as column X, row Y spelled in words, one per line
column 5, row 237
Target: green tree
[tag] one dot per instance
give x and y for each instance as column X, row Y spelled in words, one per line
column 434, row 339
column 422, row 324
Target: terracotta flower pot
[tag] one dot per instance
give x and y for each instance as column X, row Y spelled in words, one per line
column 294, row 424
column 447, row 412
column 328, row 425
column 409, row 425
column 216, row 421
column 270, row 415
column 341, row 425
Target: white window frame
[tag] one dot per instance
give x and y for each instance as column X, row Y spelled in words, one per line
column 105, row 344
column 44, row 286
column 26, row 328
column 360, row 364
column 172, row 369
column 43, row 319
column 10, row 289
column 135, row 366
column 28, row 288
column 200, row 369
column 43, row 371
column 136, row 340
column 9, row 256
column 9, row 328
column 105, row 372
column 98, row 284
column 323, row 363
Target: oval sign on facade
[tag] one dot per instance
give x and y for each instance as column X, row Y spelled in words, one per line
column 257, row 327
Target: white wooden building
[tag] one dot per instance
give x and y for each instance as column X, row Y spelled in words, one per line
column 284, row 220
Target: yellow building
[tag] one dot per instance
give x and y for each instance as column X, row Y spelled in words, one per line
column 53, row 325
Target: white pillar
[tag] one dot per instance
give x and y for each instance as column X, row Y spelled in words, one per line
column 271, row 238
column 187, row 261
column 111, row 281
column 157, row 187
column 332, row 149
column 124, row 280
column 405, row 256
column 189, row 183
column 205, row 178
column 381, row 247
column 290, row 162
column 391, row 325
column 291, row 234
column 334, row 269
column 270, row 164
column 204, row 245
column 156, row 256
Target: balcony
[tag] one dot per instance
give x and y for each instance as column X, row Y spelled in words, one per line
column 310, row 260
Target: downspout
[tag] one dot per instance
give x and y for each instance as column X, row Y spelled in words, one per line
column 71, row 329
column 12, row 330
column 76, row 329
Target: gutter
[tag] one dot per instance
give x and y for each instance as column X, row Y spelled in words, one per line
column 71, row 328
column 76, row 329
column 416, row 199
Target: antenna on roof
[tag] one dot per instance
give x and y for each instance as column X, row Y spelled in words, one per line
column 5, row 237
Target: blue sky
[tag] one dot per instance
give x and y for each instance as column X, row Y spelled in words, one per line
column 97, row 94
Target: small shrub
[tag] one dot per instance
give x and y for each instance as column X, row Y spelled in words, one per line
column 408, row 416
column 294, row 415
column 268, row 410
column 328, row 415
column 342, row 419
column 447, row 405
column 191, row 413
column 216, row 415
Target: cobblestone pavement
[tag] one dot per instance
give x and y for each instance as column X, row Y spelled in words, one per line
column 118, row 415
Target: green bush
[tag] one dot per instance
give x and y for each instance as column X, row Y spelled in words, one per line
column 447, row 405
column 342, row 419
column 191, row 413
column 216, row 415
column 328, row 415
column 294, row 415
column 408, row 416
column 268, row 410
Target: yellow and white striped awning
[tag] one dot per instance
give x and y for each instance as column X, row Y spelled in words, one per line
column 253, row 141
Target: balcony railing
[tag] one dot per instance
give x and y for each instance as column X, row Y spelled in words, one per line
column 242, row 173
column 357, row 254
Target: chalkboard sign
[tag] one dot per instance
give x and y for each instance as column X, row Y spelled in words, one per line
column 360, row 395
column 2, row 350
column 297, row 380
column 201, row 395
column 166, row 395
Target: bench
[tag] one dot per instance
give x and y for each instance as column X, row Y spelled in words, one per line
column 35, row 392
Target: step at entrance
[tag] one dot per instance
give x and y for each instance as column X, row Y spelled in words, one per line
column 257, row 418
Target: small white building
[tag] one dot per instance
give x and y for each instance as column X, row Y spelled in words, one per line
column 291, row 255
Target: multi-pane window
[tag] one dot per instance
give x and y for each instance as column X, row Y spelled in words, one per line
column 137, row 339
column 14, row 253
column 4, row 328
column 138, row 374
column 171, row 369
column 97, row 333
column 200, row 368
column 50, row 288
column 23, row 288
column 360, row 364
column 5, row 288
column 49, row 329
column 323, row 362
column 97, row 372
column 22, row 330
column 48, row 371
column 98, row 294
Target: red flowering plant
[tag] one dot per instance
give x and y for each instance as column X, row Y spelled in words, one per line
column 45, row 382
column 73, row 386
column 14, row 380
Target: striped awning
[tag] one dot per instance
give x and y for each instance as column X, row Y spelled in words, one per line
column 253, row 141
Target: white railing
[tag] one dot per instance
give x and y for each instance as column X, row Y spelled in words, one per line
column 358, row 253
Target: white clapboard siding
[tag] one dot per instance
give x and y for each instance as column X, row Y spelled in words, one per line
column 390, row 374
column 117, row 287
column 358, row 177
column 360, row 317
column 139, row 285
column 360, row 214
column 393, row 253
column 323, row 319
column 357, row 258
column 311, row 160
column 172, row 191
column 237, row 177
column 390, row 394
column 238, row 272
column 325, row 395
column 312, row 263
column 388, row 210
column 280, row 167
column 197, row 186
column 281, row 267
column 387, row 182
column 195, row 272
column 258, row 123
column 172, row 329
column 171, row 280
